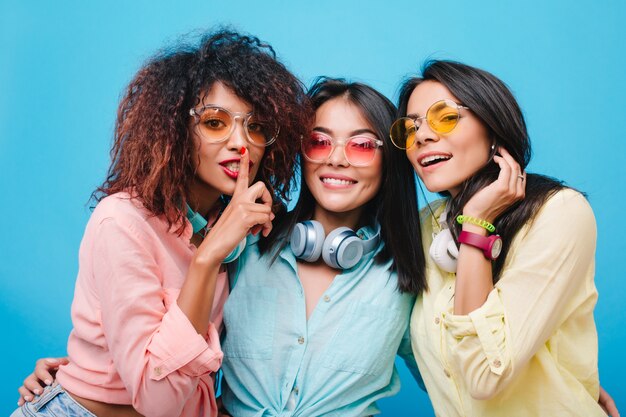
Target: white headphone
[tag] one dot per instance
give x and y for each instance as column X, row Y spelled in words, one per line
column 443, row 250
column 341, row 249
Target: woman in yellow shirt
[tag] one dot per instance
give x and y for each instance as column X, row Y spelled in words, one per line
column 504, row 326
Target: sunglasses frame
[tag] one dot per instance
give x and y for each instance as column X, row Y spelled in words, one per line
column 342, row 142
column 415, row 120
column 196, row 113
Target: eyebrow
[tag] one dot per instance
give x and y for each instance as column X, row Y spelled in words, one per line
column 353, row 133
column 413, row 116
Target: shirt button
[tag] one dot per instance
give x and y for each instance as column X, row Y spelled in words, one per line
column 326, row 298
column 296, row 390
column 497, row 363
column 157, row 371
column 301, row 340
column 437, row 320
column 445, row 371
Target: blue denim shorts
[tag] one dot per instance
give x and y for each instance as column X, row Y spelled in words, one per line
column 54, row 402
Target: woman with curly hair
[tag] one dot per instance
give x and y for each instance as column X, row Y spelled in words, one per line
column 320, row 308
column 195, row 124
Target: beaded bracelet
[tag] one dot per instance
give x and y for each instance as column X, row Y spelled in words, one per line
column 478, row 222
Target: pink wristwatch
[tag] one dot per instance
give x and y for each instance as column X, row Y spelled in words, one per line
column 490, row 245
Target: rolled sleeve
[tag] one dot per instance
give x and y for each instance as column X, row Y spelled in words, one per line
column 477, row 344
column 547, row 276
column 154, row 347
column 177, row 346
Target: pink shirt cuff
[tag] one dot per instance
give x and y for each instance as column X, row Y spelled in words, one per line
column 178, row 347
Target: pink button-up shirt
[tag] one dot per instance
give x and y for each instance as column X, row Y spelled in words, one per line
column 131, row 343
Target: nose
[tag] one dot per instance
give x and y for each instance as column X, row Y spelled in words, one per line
column 237, row 138
column 424, row 134
column 337, row 156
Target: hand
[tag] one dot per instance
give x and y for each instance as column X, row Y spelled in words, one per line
column 509, row 188
column 243, row 214
column 607, row 403
column 45, row 369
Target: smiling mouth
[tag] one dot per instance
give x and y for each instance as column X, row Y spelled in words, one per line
column 337, row 181
column 434, row 159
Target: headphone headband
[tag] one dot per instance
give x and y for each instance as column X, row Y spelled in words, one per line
column 341, row 249
column 197, row 221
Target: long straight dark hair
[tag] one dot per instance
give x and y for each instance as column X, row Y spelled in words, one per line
column 405, row 249
column 490, row 100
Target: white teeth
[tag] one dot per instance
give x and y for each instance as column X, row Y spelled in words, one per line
column 232, row 166
column 336, row 181
column 433, row 158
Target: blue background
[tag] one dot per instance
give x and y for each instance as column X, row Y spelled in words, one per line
column 64, row 65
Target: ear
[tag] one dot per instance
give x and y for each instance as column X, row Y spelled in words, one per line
column 493, row 149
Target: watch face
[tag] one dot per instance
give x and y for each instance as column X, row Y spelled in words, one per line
column 496, row 248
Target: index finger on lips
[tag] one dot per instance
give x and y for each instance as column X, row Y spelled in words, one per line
column 244, row 171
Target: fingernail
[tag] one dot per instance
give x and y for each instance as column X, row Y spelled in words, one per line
column 28, row 398
column 242, row 150
column 37, row 391
column 48, row 382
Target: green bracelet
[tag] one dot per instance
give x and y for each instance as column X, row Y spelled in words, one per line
column 478, row 222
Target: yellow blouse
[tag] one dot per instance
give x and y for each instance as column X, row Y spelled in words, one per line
column 531, row 349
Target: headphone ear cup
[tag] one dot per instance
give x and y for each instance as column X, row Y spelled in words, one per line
column 443, row 251
column 307, row 239
column 453, row 250
column 342, row 248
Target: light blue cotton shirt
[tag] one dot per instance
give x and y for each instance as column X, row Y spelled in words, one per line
column 337, row 364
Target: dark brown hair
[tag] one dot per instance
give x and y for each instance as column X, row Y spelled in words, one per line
column 404, row 248
column 151, row 154
column 491, row 101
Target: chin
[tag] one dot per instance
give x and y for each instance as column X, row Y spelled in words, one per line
column 333, row 207
column 226, row 189
column 435, row 188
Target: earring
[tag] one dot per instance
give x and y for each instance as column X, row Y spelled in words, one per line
column 493, row 146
